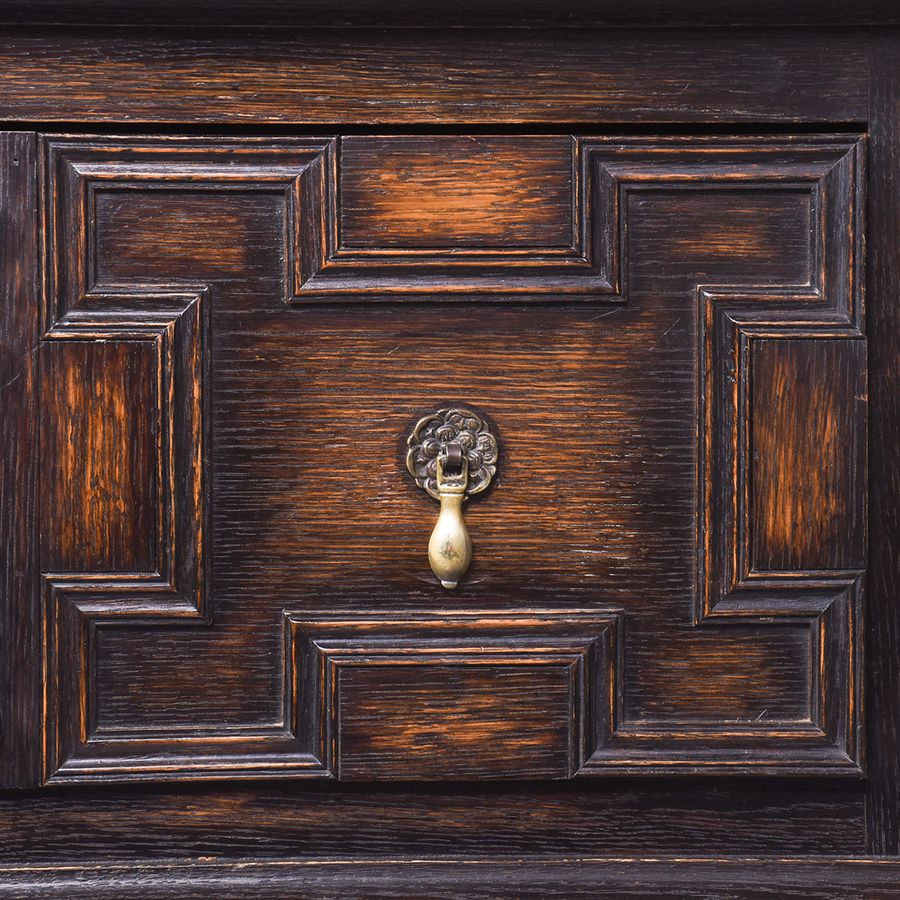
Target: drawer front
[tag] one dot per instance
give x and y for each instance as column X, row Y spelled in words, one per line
column 665, row 335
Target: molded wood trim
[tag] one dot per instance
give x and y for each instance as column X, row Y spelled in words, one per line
column 363, row 77
column 520, row 877
column 414, row 13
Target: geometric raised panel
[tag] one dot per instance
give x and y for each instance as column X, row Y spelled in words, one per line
column 433, row 218
column 455, row 696
column 125, row 388
column 168, row 257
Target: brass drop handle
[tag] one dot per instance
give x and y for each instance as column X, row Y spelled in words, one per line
column 450, row 548
column 452, row 454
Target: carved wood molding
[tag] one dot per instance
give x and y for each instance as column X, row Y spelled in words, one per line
column 162, row 329
column 478, row 728
column 826, row 307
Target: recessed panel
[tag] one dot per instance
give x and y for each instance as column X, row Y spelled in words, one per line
column 99, row 447
column 221, row 234
column 456, row 720
column 457, row 696
column 456, row 191
column 808, row 454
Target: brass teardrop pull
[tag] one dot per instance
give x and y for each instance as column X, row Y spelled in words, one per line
column 452, row 455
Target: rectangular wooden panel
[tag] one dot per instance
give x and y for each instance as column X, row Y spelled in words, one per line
column 599, row 504
column 457, row 75
column 447, row 191
column 455, row 720
column 455, row 696
column 20, row 466
column 808, row 454
column 191, row 232
column 99, row 447
column 882, row 623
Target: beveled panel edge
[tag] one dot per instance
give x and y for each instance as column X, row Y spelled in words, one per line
column 586, row 638
column 830, row 306
column 318, row 270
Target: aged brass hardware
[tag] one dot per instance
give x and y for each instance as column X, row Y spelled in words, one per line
column 452, row 455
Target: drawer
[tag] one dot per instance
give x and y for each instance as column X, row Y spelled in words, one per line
column 648, row 351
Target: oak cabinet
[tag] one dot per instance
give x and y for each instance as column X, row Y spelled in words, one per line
column 645, row 283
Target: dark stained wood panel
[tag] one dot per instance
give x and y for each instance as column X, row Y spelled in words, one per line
column 760, row 678
column 456, row 191
column 224, row 234
column 99, row 445
column 487, row 77
column 808, row 454
column 883, row 574
column 239, row 683
column 271, row 639
column 392, row 876
column 486, row 694
column 446, row 721
column 715, row 236
column 259, row 821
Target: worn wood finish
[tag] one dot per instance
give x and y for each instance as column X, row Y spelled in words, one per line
column 521, row 877
column 454, row 192
column 266, row 821
column 883, row 620
column 621, row 541
column 445, row 721
column 655, row 246
column 99, row 502
column 455, row 696
column 535, row 13
column 416, row 77
column 805, row 418
column 19, row 464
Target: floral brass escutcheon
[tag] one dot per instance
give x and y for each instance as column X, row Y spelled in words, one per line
column 452, row 455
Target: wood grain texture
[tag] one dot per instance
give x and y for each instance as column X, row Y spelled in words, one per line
column 404, row 13
column 302, row 212
column 456, row 696
column 100, row 485
column 487, row 77
column 808, row 454
column 611, row 388
column 827, row 305
column 530, row 877
column 776, row 697
column 183, row 227
column 455, row 721
column 883, row 611
column 19, row 464
column 456, row 191
column 267, row 821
